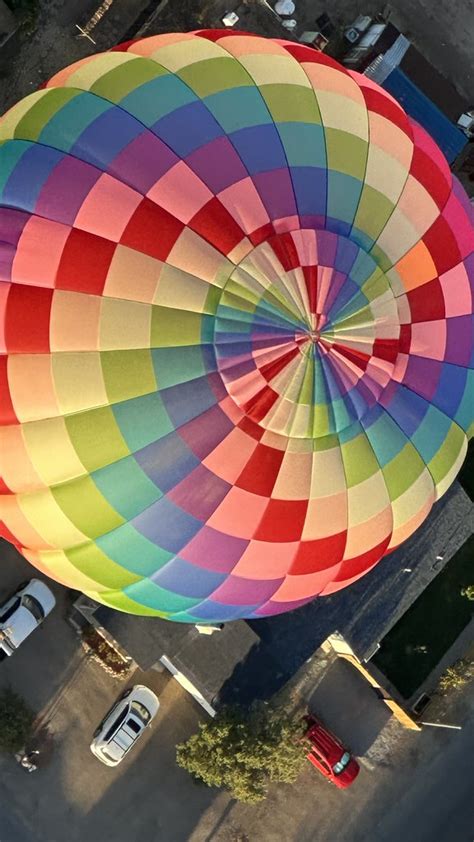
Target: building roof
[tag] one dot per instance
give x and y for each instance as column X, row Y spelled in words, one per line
column 207, row 661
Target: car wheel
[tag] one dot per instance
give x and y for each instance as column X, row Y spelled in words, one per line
column 97, row 731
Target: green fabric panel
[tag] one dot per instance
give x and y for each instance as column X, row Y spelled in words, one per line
column 307, row 387
column 85, row 507
column 403, row 471
column 359, row 460
column 213, row 75
column 373, row 212
column 127, row 374
column 376, row 285
column 291, row 103
column 446, row 456
column 32, row 123
column 381, row 258
column 96, row 437
column 120, row 81
column 212, row 300
column 171, row 328
column 346, row 153
column 121, row 602
column 91, row 561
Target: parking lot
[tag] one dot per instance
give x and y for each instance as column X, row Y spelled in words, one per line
column 148, row 798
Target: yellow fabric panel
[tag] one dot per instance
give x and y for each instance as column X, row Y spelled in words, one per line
column 31, row 386
column 60, row 465
column 78, row 381
column 49, row 520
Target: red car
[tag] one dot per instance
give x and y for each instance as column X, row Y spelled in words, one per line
column 329, row 756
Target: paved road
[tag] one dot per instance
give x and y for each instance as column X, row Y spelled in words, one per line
column 421, row 791
column 438, row 804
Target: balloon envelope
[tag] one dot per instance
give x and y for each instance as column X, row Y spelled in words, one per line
column 236, row 320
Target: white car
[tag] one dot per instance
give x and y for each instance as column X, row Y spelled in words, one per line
column 23, row 613
column 124, row 724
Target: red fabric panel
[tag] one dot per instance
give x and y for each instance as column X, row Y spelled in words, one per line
column 27, row 319
column 285, row 249
column 84, row 263
column 270, row 370
column 380, row 103
column 7, row 413
column 313, row 556
column 405, row 339
column 442, row 246
column 217, row 226
column 260, row 473
column 283, row 520
column 152, row 230
column 356, row 566
column 386, row 349
column 258, row 406
column 427, row 302
column 424, row 169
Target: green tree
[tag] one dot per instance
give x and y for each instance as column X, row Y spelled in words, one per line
column 244, row 750
column 16, row 720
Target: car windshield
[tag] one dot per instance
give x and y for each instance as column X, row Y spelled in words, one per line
column 111, row 731
column 141, row 711
column 341, row 764
column 10, row 611
column 33, row 606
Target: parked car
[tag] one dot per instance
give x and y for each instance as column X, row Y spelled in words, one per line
column 124, row 724
column 329, row 756
column 23, row 613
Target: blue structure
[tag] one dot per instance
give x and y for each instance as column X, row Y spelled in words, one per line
column 448, row 137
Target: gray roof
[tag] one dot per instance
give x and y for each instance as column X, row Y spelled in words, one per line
column 206, row 660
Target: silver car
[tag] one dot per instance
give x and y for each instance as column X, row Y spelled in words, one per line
column 124, row 724
column 23, row 613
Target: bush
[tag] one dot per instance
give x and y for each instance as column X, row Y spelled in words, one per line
column 456, row 676
column 244, row 750
column 104, row 653
column 16, row 721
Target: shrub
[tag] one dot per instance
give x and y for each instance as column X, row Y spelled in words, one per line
column 455, row 676
column 16, row 721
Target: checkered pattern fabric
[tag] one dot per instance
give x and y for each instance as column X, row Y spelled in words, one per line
column 235, row 326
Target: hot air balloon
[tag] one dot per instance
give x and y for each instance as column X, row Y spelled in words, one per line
column 236, row 305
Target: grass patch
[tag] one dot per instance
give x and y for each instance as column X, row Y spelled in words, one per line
column 466, row 474
column 416, row 644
